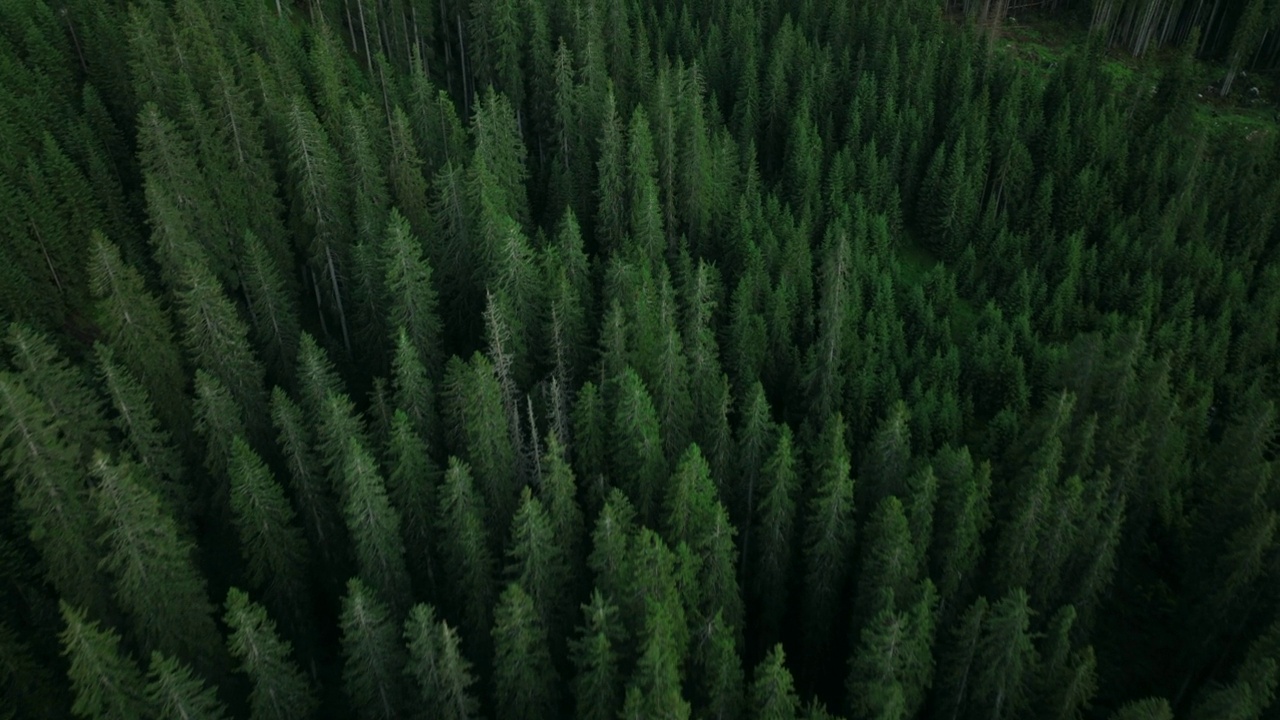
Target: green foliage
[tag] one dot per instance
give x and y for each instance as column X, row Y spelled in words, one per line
column 280, row 690
column 157, row 582
column 442, row 673
column 106, row 683
column 524, row 678
column 678, row 270
column 176, row 692
column 373, row 657
column 597, row 682
column 273, row 549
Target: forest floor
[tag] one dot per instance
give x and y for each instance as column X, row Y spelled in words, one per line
column 1041, row 41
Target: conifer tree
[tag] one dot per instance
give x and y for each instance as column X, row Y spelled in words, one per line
column 648, row 240
column 373, row 657
column 437, row 665
column 309, row 488
column 611, row 559
column 55, row 507
column 892, row 663
column 219, row 418
column 755, row 440
column 775, row 520
column 318, row 190
column 465, row 549
column 559, row 494
column 772, row 695
column 655, row 687
column 138, row 330
column 135, row 419
column 611, row 187
column 412, row 388
column 637, row 461
column 524, row 677
column 408, row 186
column 374, row 527
column 280, row 690
column 63, row 388
column 156, row 581
column 412, row 487
column 828, row 537
column 536, row 561
column 272, row 306
column 106, row 683
column 596, row 656
column 963, row 496
column 474, row 400
column 888, row 563
column 273, row 548
column 1005, row 657
column 591, row 444
column 722, row 683
column 217, row 341
column 410, row 290
column 176, row 692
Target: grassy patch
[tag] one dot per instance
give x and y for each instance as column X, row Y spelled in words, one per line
column 1038, row 42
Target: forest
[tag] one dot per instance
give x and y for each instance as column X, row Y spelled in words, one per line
column 634, row 359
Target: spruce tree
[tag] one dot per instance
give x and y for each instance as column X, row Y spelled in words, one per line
column 637, row 461
column 309, row 487
column 217, row 341
column 144, row 437
column 138, row 330
column 465, row 549
column 410, row 290
column 373, row 657
column 106, row 683
column 272, row 306
column 56, row 509
column 176, row 692
column 828, row 537
column 596, row 655
column 280, row 691
column 536, row 562
column 441, row 672
column 412, row 485
column 273, row 548
column 524, row 677
column 156, row 580
column 775, row 522
column 772, row 695
column 374, row 527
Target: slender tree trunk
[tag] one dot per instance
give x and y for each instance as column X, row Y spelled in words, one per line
column 337, row 298
column 467, row 81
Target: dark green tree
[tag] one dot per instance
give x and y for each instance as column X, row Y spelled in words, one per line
column 176, row 692
column 773, row 695
column 441, row 672
column 374, row 527
column 373, row 656
column 274, row 551
column 106, row 683
column 465, row 549
column 596, row 656
column 156, row 580
column 524, row 677
column 775, row 522
column 280, row 690
column 139, row 331
column 828, row 537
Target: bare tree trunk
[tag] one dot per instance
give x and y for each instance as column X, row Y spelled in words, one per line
column 467, row 81
column 337, row 298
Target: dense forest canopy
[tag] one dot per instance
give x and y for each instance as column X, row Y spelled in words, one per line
column 572, row 358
